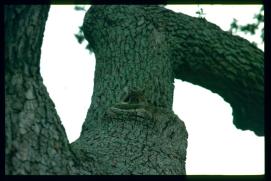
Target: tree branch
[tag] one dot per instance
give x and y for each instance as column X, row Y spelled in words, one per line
column 205, row 55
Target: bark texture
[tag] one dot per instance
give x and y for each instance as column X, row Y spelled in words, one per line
column 35, row 140
column 130, row 127
column 133, row 72
column 203, row 54
column 143, row 48
column 229, row 65
column 198, row 52
column 135, row 142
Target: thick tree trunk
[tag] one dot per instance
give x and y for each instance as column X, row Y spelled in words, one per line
column 199, row 52
column 130, row 127
column 35, row 140
column 144, row 48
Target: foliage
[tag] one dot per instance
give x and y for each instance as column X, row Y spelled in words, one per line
column 250, row 28
column 200, row 13
column 80, row 35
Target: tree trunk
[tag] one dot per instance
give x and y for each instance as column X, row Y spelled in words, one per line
column 199, row 52
column 36, row 142
column 139, row 51
column 130, row 127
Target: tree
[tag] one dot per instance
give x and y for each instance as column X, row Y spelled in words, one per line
column 130, row 127
column 35, row 140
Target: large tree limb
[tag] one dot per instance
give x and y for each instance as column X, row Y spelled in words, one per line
column 205, row 55
column 35, row 140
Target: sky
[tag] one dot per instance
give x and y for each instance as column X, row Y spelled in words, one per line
column 215, row 145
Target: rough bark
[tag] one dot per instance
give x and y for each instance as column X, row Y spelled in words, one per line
column 135, row 142
column 130, row 127
column 203, row 54
column 229, row 65
column 133, row 72
column 199, row 52
column 145, row 48
column 35, row 140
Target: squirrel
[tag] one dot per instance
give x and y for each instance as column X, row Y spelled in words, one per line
column 133, row 99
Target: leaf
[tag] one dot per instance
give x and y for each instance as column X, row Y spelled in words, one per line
column 81, row 28
column 249, row 28
column 234, row 25
column 80, row 38
column 89, row 48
